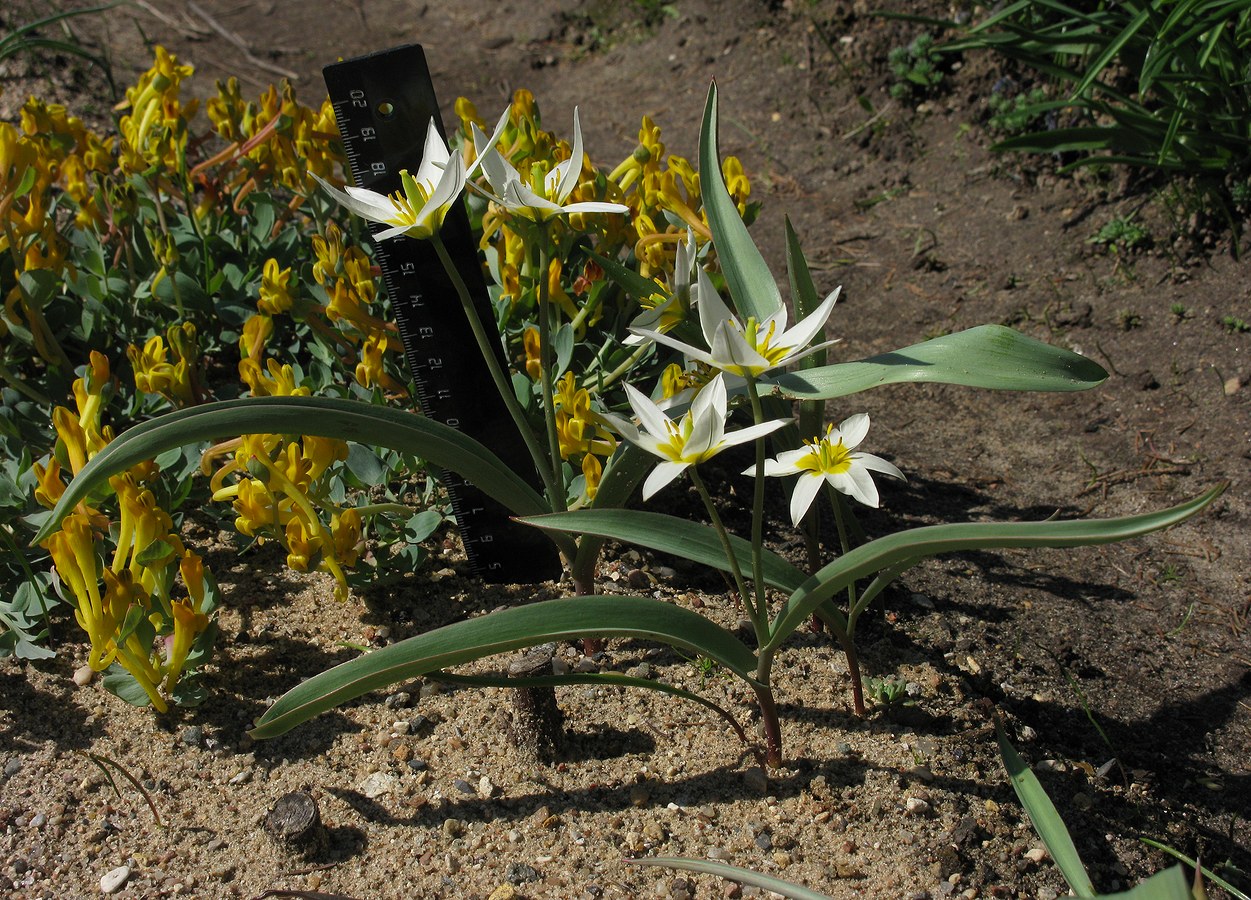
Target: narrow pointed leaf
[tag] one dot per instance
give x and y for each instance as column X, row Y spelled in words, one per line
column 1167, row 885
column 1046, row 819
column 323, row 417
column 657, row 531
column 734, row 873
column 906, row 548
column 500, row 632
column 988, row 356
column 751, row 284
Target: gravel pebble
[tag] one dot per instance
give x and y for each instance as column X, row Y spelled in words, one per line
column 112, row 881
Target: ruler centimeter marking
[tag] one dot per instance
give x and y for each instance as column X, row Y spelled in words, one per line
column 384, row 103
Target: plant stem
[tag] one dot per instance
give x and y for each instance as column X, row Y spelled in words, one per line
column 853, row 668
column 502, row 384
column 757, row 518
column 758, row 621
column 768, row 712
column 545, row 374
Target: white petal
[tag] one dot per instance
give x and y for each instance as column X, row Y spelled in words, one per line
column 713, row 312
column 853, row 429
column 626, row 429
column 521, row 199
column 654, row 422
column 686, row 350
column 573, row 166
column 661, row 476
column 447, row 190
column 751, row 432
column 595, row 206
column 434, row 156
column 486, row 143
column 732, row 352
column 877, row 464
column 806, row 490
column 862, row 486
column 808, row 328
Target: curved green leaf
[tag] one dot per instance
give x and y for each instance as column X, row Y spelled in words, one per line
column 509, row 629
column 751, row 284
column 734, row 873
column 909, row 547
column 324, row 417
column 988, row 356
column 657, row 531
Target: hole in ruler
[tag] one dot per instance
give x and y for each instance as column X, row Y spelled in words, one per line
column 386, row 109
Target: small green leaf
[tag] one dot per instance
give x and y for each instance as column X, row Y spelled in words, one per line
column 122, row 684
column 1047, row 821
column 499, row 632
column 751, row 284
column 988, row 356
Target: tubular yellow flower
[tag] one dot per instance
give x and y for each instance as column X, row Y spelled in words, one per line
column 303, row 545
column 257, row 331
column 530, row 343
column 188, row 623
column 255, row 506
column 592, row 471
column 322, row 452
column 275, row 294
column 345, row 530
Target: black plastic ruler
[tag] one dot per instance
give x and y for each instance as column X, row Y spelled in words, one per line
column 384, row 103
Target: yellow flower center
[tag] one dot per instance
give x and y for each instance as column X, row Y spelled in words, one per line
column 825, row 457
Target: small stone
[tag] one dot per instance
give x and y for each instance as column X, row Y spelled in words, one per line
column 764, row 841
column 402, row 753
column 640, row 796
column 453, row 828
column 12, row 767
column 398, row 700
column 112, row 881
column 192, row 735
column 719, row 853
column 520, row 873
column 485, row 787
column 463, row 786
column 756, row 781
column 294, row 819
column 38, row 820
column 378, row 784
column 1018, row 213
column 1036, row 854
column 503, row 892
column 922, row 601
column 1232, row 385
column 781, row 860
column 916, row 806
column 654, row 832
column 586, row 665
column 84, row 675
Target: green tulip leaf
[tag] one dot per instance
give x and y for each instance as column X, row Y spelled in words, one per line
column 347, row 420
column 499, row 632
column 751, row 284
column 657, row 531
column 905, row 548
column 988, row 356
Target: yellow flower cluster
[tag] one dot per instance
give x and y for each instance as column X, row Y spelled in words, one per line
column 51, row 152
column 275, row 139
column 176, row 381
column 581, row 432
column 154, row 129
column 279, row 487
column 127, row 606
